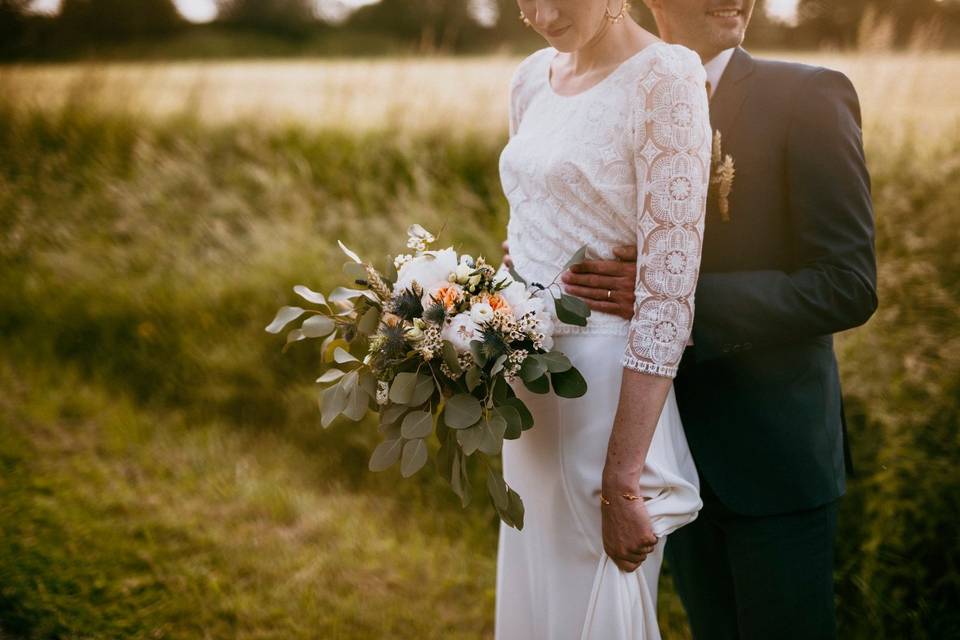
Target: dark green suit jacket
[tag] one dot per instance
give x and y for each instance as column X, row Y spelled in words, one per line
column 759, row 392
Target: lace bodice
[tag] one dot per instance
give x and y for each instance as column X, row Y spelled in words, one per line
column 625, row 162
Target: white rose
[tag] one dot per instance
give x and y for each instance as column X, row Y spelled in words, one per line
column 459, row 331
column 516, row 296
column 463, row 272
column 481, row 312
column 429, row 269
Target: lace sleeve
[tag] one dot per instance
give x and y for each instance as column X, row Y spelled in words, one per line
column 672, row 138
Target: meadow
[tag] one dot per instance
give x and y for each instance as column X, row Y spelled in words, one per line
column 163, row 472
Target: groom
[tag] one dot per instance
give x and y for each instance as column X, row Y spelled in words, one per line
column 788, row 261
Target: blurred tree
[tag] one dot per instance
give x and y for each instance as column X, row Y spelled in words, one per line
column 843, row 23
column 94, row 20
column 433, row 25
column 284, row 17
column 12, row 23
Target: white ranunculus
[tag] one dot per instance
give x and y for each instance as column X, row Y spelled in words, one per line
column 463, row 272
column 481, row 312
column 516, row 296
column 460, row 330
column 429, row 269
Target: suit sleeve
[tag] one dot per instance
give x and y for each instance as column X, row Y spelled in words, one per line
column 834, row 286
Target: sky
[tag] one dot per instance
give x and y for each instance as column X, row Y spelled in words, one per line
column 204, row 10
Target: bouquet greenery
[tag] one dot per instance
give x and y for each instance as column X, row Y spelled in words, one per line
column 433, row 344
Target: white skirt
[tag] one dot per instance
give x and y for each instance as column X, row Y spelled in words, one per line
column 554, row 581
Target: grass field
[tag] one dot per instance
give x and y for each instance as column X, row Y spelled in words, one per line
column 919, row 91
column 163, row 473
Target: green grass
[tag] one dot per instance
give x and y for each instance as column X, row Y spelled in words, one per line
column 164, row 474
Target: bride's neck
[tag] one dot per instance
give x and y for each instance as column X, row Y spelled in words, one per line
column 612, row 44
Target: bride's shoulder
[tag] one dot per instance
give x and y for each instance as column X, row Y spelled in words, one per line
column 678, row 60
column 532, row 61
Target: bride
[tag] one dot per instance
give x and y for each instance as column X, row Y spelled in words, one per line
column 609, row 145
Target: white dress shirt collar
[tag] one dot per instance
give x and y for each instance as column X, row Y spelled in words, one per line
column 716, row 67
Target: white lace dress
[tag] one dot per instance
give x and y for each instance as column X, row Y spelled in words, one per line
column 624, row 162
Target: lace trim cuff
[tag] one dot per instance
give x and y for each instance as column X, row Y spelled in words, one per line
column 645, row 366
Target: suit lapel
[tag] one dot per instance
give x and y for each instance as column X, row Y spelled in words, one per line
column 729, row 96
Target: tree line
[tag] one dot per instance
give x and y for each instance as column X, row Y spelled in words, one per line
column 454, row 26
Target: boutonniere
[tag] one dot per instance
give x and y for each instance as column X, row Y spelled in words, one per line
column 722, row 173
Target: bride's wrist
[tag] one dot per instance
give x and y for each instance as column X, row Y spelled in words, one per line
column 616, row 482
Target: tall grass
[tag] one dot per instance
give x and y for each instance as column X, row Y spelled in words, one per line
column 163, row 469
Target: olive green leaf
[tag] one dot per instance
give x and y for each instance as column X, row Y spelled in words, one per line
column 417, row 424
column 450, row 357
column 285, row 315
column 532, row 368
column 471, row 439
column 414, row 457
column 403, row 387
column 526, row 418
column 386, row 454
column 492, row 429
column 473, row 378
column 462, row 411
column 497, row 489
column 569, row 384
column 318, row 326
column 330, row 375
column 576, row 258
column 541, row 385
column 511, row 417
column 309, row 295
column 555, row 361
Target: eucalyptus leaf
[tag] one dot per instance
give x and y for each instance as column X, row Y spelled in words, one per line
column 460, row 477
column 576, row 258
column 285, row 315
column 350, row 254
column 541, row 385
column 403, row 386
column 476, row 349
column 555, row 361
column 526, row 418
column 514, row 423
column 330, row 375
column 450, row 357
column 492, row 429
column 532, row 368
column 569, row 384
column 295, row 335
column 318, row 326
column 369, row 322
column 414, row 457
column 331, row 348
column 575, row 305
column 386, row 454
column 566, row 316
column 367, row 382
column 392, row 413
column 342, row 356
column 515, row 508
column 309, row 295
column 472, row 378
column 422, row 390
column 345, row 294
column 462, row 411
column 470, row 439
column 417, row 424
column 357, row 404
column 497, row 489
column 390, row 431
column 498, row 365
column 332, row 403
column 444, row 459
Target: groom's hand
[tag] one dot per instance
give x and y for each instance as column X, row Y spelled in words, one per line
column 606, row 285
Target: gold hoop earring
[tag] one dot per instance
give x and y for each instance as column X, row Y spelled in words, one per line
column 524, row 20
column 614, row 19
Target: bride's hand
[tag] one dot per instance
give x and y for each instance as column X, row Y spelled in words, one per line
column 628, row 536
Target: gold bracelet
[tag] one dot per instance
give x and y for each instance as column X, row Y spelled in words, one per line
column 626, row 496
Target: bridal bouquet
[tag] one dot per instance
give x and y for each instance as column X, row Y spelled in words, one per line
column 431, row 344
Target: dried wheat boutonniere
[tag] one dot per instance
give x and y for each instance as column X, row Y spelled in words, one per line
column 723, row 173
